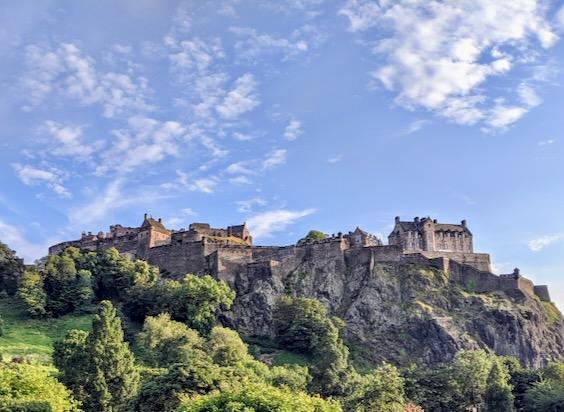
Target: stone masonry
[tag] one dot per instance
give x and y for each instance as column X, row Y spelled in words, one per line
column 229, row 253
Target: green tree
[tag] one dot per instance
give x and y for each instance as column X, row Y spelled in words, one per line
column 113, row 378
column 11, row 269
column 226, row 347
column 195, row 300
column 313, row 235
column 70, row 357
column 164, row 393
column 67, row 288
column 26, row 387
column 498, row 396
column 32, row 293
column 471, row 369
column 258, row 397
column 165, row 341
column 113, row 274
column 382, row 391
column 545, row 396
column 433, row 388
column 293, row 377
column 303, row 325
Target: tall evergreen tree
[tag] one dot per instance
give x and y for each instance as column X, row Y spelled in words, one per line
column 498, row 396
column 114, row 378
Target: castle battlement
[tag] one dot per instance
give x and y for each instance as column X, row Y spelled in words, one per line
column 228, row 252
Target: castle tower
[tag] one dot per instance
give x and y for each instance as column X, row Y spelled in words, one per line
column 151, row 233
column 428, row 235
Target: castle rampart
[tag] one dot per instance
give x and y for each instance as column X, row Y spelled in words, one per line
column 229, row 254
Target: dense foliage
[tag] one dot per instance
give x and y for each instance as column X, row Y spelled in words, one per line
column 259, row 397
column 30, row 388
column 303, row 325
column 11, row 269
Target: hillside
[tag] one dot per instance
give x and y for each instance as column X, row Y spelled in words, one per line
column 33, row 338
column 403, row 312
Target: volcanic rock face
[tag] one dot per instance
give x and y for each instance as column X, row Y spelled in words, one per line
column 402, row 312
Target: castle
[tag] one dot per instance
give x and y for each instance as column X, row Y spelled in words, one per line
column 227, row 253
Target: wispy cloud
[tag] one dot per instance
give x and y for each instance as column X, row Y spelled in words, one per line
column 415, row 126
column 293, row 130
column 268, row 223
column 538, row 244
column 275, row 158
column 241, row 99
column 204, row 185
column 335, row 159
column 246, row 206
column 254, row 44
column 437, row 55
column 15, row 239
column 30, row 175
column 145, row 141
column 546, row 142
column 70, row 141
column 65, row 71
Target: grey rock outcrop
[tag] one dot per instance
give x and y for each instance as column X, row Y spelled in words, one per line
column 405, row 311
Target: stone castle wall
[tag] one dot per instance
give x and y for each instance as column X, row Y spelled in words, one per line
column 177, row 259
column 232, row 258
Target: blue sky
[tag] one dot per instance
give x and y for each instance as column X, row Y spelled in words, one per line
column 289, row 115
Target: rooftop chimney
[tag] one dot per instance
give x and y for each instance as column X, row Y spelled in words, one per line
column 416, row 219
column 145, row 216
column 397, row 219
column 463, row 223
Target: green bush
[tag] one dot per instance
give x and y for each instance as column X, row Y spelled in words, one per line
column 258, row 398
column 25, row 387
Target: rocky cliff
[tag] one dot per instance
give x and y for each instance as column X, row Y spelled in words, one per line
column 402, row 311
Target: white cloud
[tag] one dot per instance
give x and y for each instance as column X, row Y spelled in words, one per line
column 335, row 159
column 293, row 130
column 415, row 126
column 66, row 71
column 15, row 239
column 540, row 243
column 501, row 116
column 146, row 141
column 528, row 95
column 240, row 168
column 546, row 142
column 255, row 44
column 266, row 224
column 32, row 176
column 275, row 158
column 70, row 141
column 215, row 150
column 194, row 56
column 361, row 14
column 181, row 218
column 205, row 185
column 240, row 180
column 438, row 55
column 96, row 210
column 246, row 206
column 243, row 137
column 241, row 99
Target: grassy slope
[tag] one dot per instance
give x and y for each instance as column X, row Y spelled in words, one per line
column 33, row 338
